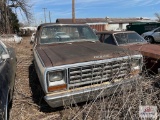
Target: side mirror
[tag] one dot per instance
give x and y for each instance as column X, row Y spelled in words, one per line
column 5, row 56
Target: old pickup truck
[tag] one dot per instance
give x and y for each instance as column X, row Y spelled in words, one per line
column 133, row 41
column 75, row 67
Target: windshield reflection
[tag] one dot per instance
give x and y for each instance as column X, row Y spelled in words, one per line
column 61, row 34
column 127, row 38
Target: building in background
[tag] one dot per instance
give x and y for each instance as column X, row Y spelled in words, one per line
column 117, row 24
column 98, row 24
column 101, row 24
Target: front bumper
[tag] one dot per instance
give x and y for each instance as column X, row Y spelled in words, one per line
column 88, row 93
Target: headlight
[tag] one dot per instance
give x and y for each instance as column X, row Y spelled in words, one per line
column 136, row 64
column 56, row 76
column 56, row 80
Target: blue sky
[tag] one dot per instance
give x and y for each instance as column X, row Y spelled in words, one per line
column 94, row 9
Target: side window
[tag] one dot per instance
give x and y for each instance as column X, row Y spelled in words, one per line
column 109, row 39
column 2, row 50
column 86, row 33
column 158, row 30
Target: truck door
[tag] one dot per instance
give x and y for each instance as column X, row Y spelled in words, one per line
column 3, row 81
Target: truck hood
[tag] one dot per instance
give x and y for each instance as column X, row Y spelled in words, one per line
column 148, row 50
column 77, row 52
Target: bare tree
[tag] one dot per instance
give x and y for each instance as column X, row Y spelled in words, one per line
column 24, row 6
column 4, row 19
column 5, row 5
column 157, row 15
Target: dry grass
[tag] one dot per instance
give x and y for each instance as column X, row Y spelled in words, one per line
column 28, row 103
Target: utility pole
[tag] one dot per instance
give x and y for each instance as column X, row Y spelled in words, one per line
column 73, row 12
column 49, row 16
column 45, row 14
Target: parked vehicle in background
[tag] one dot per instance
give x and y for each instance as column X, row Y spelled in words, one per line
column 14, row 38
column 32, row 38
column 152, row 36
column 133, row 41
column 7, row 79
column 79, row 67
column 141, row 27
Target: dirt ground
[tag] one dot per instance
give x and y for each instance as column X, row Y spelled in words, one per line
column 28, row 102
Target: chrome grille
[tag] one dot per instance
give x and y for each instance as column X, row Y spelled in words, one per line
column 96, row 73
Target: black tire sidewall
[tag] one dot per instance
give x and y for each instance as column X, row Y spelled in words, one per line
column 149, row 39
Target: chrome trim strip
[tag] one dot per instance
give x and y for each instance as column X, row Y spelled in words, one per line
column 39, row 57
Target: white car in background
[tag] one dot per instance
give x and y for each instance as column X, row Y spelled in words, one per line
column 152, row 36
column 11, row 38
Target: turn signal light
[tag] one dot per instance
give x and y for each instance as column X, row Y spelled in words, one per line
column 55, row 88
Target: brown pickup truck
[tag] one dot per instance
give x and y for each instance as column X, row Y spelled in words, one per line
column 73, row 66
column 133, row 41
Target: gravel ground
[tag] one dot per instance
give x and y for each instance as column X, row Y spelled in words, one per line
column 28, row 103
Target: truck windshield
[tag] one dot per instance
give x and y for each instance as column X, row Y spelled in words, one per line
column 127, row 38
column 68, row 33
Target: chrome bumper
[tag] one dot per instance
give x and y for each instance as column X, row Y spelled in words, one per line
column 87, row 93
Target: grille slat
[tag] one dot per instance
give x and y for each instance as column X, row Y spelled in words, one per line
column 75, row 72
column 85, row 75
column 73, row 77
column 89, row 82
column 91, row 74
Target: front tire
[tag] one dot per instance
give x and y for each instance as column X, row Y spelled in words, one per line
column 149, row 39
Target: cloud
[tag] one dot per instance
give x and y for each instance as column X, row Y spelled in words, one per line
column 95, row 2
column 62, row 5
column 135, row 3
column 62, row 8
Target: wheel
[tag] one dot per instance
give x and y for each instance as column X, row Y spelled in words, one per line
column 149, row 39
